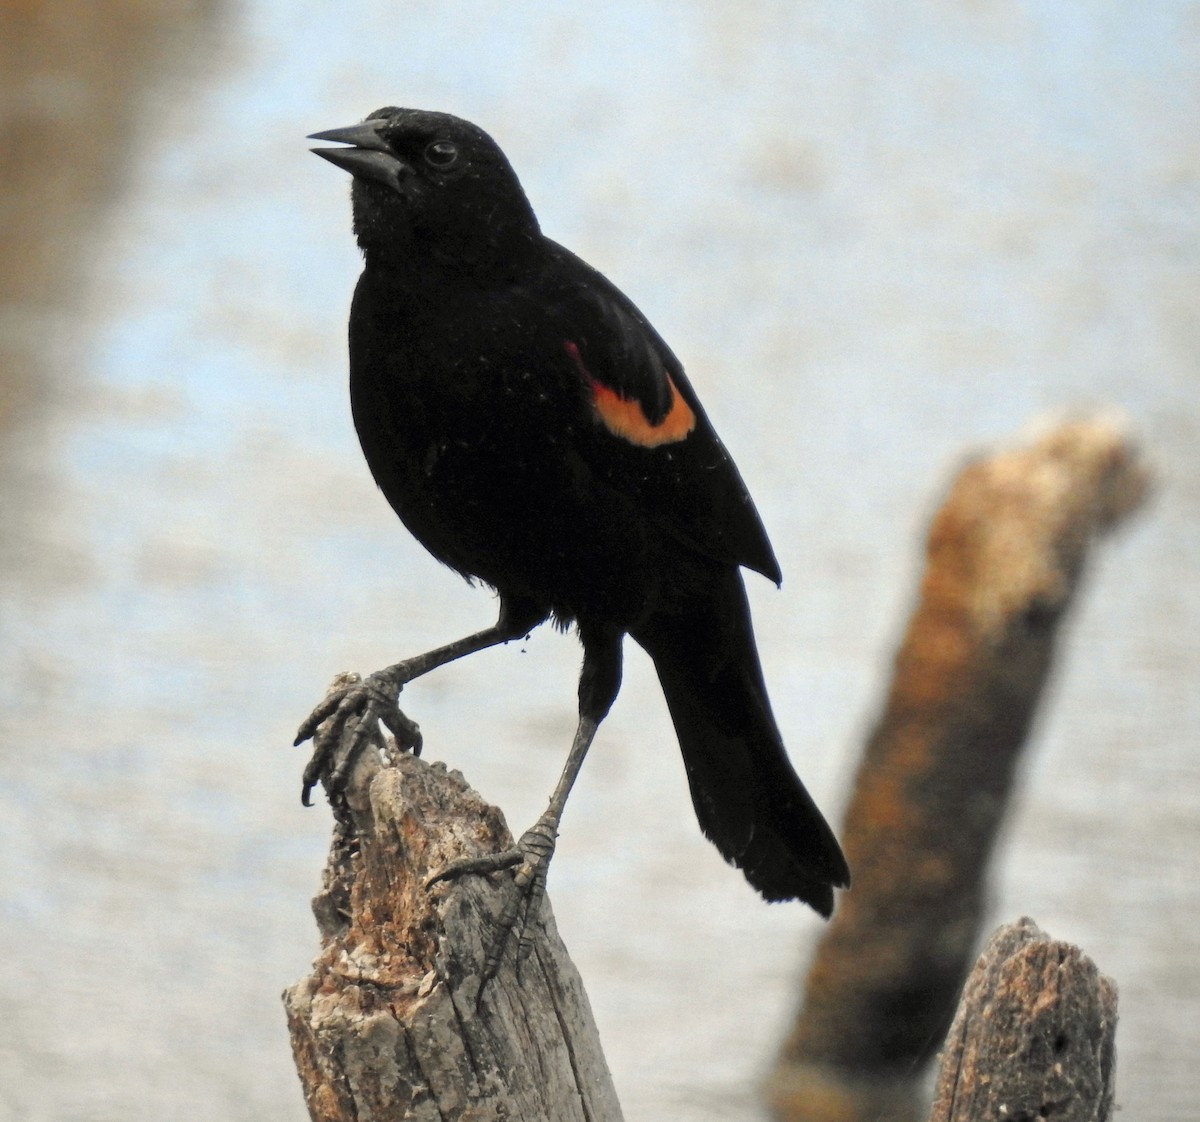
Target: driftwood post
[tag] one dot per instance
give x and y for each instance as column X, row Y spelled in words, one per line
column 1033, row 1037
column 1005, row 554
column 387, row 1025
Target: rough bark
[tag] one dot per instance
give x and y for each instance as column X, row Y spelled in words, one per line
column 1033, row 1038
column 387, row 1025
column 1005, row 555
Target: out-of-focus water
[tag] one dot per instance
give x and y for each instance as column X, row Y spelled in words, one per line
column 878, row 235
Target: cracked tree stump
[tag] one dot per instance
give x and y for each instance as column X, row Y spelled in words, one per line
column 386, row 1027
column 1033, row 1038
column 1005, row 555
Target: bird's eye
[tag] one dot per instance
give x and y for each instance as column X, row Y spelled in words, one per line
column 441, row 154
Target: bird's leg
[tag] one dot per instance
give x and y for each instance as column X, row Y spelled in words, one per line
column 598, row 685
column 531, row 856
column 371, row 700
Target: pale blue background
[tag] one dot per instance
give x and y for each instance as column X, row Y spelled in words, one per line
column 878, row 235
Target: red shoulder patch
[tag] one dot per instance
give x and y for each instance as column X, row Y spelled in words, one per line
column 624, row 416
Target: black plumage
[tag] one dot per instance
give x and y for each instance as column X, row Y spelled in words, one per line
column 534, row 432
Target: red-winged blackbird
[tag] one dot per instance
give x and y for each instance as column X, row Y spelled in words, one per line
column 532, row 431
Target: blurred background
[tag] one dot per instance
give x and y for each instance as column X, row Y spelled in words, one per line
column 879, row 236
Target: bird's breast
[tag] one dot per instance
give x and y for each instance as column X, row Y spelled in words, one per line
column 477, row 437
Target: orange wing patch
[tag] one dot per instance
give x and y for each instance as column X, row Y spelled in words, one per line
column 624, row 417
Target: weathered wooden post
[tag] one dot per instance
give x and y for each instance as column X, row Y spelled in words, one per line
column 390, row 1024
column 1005, row 555
column 1033, row 1038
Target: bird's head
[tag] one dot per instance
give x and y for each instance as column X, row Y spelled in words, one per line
column 431, row 189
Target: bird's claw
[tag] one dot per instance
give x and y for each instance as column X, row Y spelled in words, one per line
column 346, row 722
column 530, row 859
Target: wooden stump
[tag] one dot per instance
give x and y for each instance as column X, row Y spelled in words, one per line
column 387, row 1027
column 1005, row 556
column 1033, row 1037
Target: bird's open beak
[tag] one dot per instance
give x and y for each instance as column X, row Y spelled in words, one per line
column 369, row 156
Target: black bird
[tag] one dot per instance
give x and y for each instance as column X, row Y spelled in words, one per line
column 534, row 432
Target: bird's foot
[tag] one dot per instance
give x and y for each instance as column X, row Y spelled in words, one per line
column 530, row 859
column 347, row 721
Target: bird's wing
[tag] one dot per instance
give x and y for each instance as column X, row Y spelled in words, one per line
column 649, row 435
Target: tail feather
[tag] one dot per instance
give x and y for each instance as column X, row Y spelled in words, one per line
column 749, row 801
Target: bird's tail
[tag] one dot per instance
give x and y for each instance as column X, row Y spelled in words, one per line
column 748, row 799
